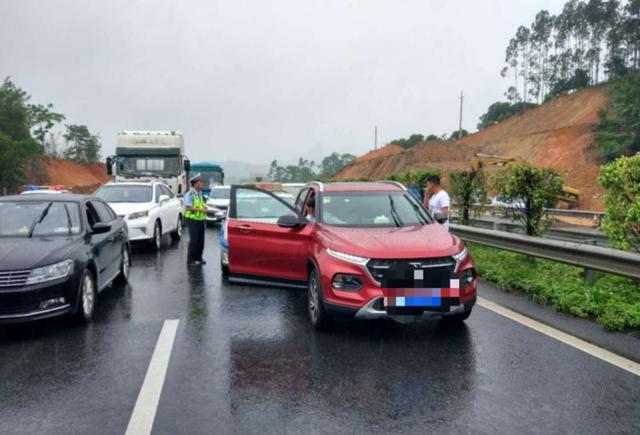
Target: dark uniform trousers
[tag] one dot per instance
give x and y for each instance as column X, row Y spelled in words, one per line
column 196, row 239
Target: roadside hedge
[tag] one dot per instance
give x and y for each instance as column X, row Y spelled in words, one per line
column 612, row 301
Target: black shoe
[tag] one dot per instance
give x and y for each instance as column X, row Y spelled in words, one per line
column 202, row 262
column 193, row 263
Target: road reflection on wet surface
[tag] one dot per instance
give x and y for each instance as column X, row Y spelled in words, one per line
column 246, row 360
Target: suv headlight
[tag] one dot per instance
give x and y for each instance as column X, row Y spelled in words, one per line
column 138, row 215
column 361, row 261
column 461, row 255
column 51, row 272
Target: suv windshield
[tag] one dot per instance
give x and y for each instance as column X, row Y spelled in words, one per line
column 168, row 166
column 38, row 218
column 220, row 193
column 125, row 193
column 372, row 209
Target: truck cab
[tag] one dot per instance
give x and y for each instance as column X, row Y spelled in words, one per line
column 150, row 156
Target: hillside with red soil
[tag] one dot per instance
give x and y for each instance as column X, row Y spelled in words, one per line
column 80, row 178
column 559, row 134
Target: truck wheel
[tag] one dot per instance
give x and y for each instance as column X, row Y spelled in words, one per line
column 319, row 318
column 177, row 234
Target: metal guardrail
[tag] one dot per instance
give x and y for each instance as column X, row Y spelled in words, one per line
column 576, row 254
column 596, row 216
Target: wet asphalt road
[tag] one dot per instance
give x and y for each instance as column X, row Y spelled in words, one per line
column 246, row 360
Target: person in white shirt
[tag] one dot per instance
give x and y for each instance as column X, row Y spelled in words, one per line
column 436, row 199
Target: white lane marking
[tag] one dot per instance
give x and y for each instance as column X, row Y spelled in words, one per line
column 144, row 413
column 593, row 350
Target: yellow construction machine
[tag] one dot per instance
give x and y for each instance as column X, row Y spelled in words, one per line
column 569, row 195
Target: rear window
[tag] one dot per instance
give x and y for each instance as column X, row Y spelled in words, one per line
column 372, row 209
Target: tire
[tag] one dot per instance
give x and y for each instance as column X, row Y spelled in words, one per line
column 456, row 319
column 87, row 298
column 156, row 240
column 318, row 316
column 177, row 234
column 125, row 264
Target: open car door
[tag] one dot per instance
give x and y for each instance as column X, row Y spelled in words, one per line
column 268, row 239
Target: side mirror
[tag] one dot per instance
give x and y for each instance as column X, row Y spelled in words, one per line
column 440, row 217
column 109, row 165
column 187, row 165
column 101, row 228
column 290, row 221
column 163, row 198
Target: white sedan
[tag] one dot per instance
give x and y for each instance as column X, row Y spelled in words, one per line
column 150, row 210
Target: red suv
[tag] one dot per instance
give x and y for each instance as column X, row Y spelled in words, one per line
column 367, row 249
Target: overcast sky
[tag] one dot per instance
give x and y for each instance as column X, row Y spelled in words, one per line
column 257, row 80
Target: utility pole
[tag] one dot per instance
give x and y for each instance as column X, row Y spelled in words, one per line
column 460, row 126
column 375, row 137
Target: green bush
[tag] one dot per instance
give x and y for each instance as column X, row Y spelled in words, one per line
column 621, row 224
column 613, row 301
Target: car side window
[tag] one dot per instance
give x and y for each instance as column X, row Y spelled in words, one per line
column 302, row 195
column 167, row 191
column 92, row 215
column 259, row 206
column 103, row 211
column 157, row 193
column 313, row 211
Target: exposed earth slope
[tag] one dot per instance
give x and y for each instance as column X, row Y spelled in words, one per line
column 559, row 134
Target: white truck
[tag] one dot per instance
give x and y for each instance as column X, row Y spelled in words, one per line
column 150, row 156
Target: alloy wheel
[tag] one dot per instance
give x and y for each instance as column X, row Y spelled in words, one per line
column 313, row 298
column 88, row 296
column 125, row 263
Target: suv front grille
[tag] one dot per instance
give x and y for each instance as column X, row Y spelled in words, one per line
column 441, row 268
column 13, row 278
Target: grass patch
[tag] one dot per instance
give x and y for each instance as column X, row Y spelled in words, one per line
column 613, row 301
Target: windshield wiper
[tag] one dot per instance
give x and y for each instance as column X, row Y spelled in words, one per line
column 40, row 218
column 394, row 213
column 68, row 218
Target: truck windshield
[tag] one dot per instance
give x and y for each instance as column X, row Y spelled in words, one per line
column 168, row 166
column 125, row 193
column 372, row 209
column 38, row 218
column 211, row 178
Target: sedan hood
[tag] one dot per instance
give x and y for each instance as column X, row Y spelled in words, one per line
column 21, row 253
column 126, row 208
column 420, row 241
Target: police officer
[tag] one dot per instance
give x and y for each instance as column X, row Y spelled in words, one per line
column 195, row 217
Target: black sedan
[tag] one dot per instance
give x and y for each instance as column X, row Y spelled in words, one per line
column 57, row 252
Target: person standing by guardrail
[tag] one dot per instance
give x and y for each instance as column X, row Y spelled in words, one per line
column 195, row 216
column 436, row 199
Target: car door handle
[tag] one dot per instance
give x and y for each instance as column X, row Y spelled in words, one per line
column 245, row 228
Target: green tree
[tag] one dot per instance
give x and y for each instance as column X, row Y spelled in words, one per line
column 501, row 110
column 467, row 187
column 537, row 188
column 410, row 142
column 458, row 135
column 621, row 224
column 42, row 120
column 82, row 145
column 619, row 130
column 333, row 163
column 17, row 145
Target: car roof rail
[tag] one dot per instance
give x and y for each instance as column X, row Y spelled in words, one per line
column 396, row 183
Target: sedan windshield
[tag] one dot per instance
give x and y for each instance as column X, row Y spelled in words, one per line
column 125, row 193
column 38, row 218
column 372, row 209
